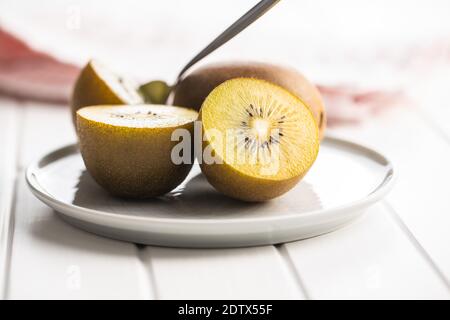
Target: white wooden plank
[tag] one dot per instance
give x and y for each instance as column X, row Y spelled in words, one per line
column 8, row 137
column 432, row 96
column 368, row 259
column 51, row 259
column 421, row 155
column 247, row 273
column 46, row 128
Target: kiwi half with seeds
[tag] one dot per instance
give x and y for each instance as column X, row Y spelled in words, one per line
column 260, row 139
column 128, row 149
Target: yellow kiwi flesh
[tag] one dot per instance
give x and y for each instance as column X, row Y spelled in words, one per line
column 262, row 139
column 98, row 85
column 194, row 89
column 128, row 149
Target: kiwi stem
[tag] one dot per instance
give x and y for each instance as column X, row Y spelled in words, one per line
column 155, row 92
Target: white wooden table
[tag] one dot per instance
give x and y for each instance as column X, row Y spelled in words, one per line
column 399, row 249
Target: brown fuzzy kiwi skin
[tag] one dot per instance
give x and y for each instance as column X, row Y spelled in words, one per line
column 90, row 90
column 245, row 188
column 131, row 162
column 194, row 89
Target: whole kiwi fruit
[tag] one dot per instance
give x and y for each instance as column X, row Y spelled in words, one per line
column 196, row 86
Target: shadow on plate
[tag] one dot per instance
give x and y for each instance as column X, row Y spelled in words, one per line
column 194, row 198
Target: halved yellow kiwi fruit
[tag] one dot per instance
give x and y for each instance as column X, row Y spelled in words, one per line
column 128, row 149
column 98, row 85
column 197, row 85
column 259, row 139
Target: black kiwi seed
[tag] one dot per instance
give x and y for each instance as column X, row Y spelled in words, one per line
column 274, row 140
column 248, row 141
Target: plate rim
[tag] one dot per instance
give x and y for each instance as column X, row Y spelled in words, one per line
column 383, row 188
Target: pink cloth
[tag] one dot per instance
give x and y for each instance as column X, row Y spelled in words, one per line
column 30, row 74
column 27, row 73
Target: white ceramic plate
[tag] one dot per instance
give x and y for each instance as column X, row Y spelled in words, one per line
column 345, row 180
